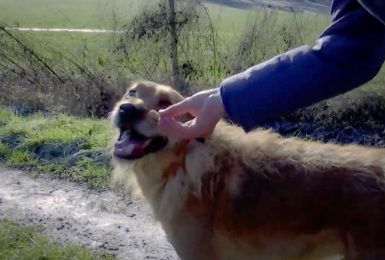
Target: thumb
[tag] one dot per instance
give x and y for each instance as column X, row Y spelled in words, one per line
column 204, row 124
column 175, row 110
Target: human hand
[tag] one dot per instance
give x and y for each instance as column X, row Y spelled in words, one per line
column 207, row 109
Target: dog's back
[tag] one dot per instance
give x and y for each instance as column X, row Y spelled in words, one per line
column 312, row 194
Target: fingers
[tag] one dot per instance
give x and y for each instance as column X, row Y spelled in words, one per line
column 201, row 126
column 177, row 109
column 191, row 105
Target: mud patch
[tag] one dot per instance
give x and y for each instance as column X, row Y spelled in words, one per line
column 104, row 221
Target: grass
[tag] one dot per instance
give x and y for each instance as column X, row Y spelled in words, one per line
column 60, row 144
column 232, row 22
column 25, row 242
column 69, row 13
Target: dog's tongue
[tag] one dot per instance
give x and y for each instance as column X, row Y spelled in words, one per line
column 129, row 148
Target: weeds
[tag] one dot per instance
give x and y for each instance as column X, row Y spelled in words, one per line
column 56, row 86
column 21, row 158
column 64, row 145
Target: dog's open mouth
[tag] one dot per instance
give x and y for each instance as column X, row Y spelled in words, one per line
column 133, row 145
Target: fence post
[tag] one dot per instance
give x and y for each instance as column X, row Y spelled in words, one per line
column 173, row 45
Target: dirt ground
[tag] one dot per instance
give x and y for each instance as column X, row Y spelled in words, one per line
column 104, row 221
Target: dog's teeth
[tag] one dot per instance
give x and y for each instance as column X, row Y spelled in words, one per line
column 153, row 114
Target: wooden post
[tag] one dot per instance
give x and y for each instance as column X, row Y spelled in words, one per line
column 173, row 45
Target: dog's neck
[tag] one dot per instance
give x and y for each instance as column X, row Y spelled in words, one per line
column 154, row 170
column 168, row 176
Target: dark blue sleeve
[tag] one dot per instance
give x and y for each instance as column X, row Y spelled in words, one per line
column 375, row 8
column 349, row 53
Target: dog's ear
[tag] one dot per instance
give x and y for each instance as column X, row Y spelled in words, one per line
column 145, row 87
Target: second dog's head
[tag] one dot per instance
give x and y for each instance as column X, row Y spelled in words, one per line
column 138, row 127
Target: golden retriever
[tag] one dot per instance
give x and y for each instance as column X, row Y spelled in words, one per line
column 251, row 196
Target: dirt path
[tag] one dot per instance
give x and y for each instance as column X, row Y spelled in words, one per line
column 68, row 212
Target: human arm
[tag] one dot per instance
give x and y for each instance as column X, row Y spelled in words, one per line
column 375, row 8
column 349, row 53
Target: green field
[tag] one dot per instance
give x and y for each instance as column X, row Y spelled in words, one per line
column 97, row 13
column 69, row 13
column 108, row 14
column 230, row 23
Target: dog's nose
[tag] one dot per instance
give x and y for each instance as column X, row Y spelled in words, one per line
column 130, row 113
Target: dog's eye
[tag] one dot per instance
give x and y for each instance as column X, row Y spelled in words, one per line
column 131, row 93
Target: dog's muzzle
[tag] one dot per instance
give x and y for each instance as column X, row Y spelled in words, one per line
column 129, row 114
column 132, row 144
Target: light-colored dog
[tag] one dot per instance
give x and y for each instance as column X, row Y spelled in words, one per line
column 251, row 196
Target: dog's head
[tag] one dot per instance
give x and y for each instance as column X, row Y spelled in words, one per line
column 138, row 125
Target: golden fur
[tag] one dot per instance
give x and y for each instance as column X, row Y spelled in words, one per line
column 259, row 195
